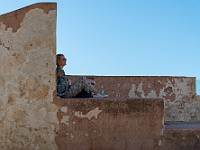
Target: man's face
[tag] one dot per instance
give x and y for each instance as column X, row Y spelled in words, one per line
column 62, row 61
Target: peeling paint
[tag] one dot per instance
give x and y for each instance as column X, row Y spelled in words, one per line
column 28, row 118
column 152, row 94
column 132, row 92
column 64, row 109
column 159, row 143
column 178, row 93
column 140, row 90
column 93, row 113
column 65, row 120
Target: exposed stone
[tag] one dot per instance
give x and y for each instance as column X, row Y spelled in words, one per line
column 93, row 113
column 64, row 109
column 65, row 120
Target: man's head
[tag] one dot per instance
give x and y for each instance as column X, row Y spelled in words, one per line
column 60, row 60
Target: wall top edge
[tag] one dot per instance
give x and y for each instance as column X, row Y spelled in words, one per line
column 124, row 76
column 51, row 5
column 14, row 18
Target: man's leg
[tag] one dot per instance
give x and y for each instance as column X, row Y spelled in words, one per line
column 78, row 86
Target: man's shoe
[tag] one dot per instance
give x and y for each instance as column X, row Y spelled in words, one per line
column 98, row 95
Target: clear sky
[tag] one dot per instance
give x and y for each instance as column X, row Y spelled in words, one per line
column 126, row 37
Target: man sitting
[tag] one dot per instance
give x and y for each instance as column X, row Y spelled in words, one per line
column 79, row 87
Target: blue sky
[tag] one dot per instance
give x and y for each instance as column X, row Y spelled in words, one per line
column 127, row 37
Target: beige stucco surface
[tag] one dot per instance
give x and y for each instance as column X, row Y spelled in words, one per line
column 28, row 118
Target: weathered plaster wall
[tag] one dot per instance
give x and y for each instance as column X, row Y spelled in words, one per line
column 179, row 93
column 181, row 139
column 28, row 118
column 110, row 124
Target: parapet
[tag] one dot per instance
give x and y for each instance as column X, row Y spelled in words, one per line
column 110, row 123
column 178, row 93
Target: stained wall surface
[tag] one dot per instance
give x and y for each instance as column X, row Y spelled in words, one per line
column 28, row 118
column 181, row 139
column 179, row 93
column 110, row 124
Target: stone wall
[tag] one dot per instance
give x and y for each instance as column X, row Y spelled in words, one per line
column 179, row 93
column 110, row 124
column 28, row 118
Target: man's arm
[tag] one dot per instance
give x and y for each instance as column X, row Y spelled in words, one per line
column 60, row 73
